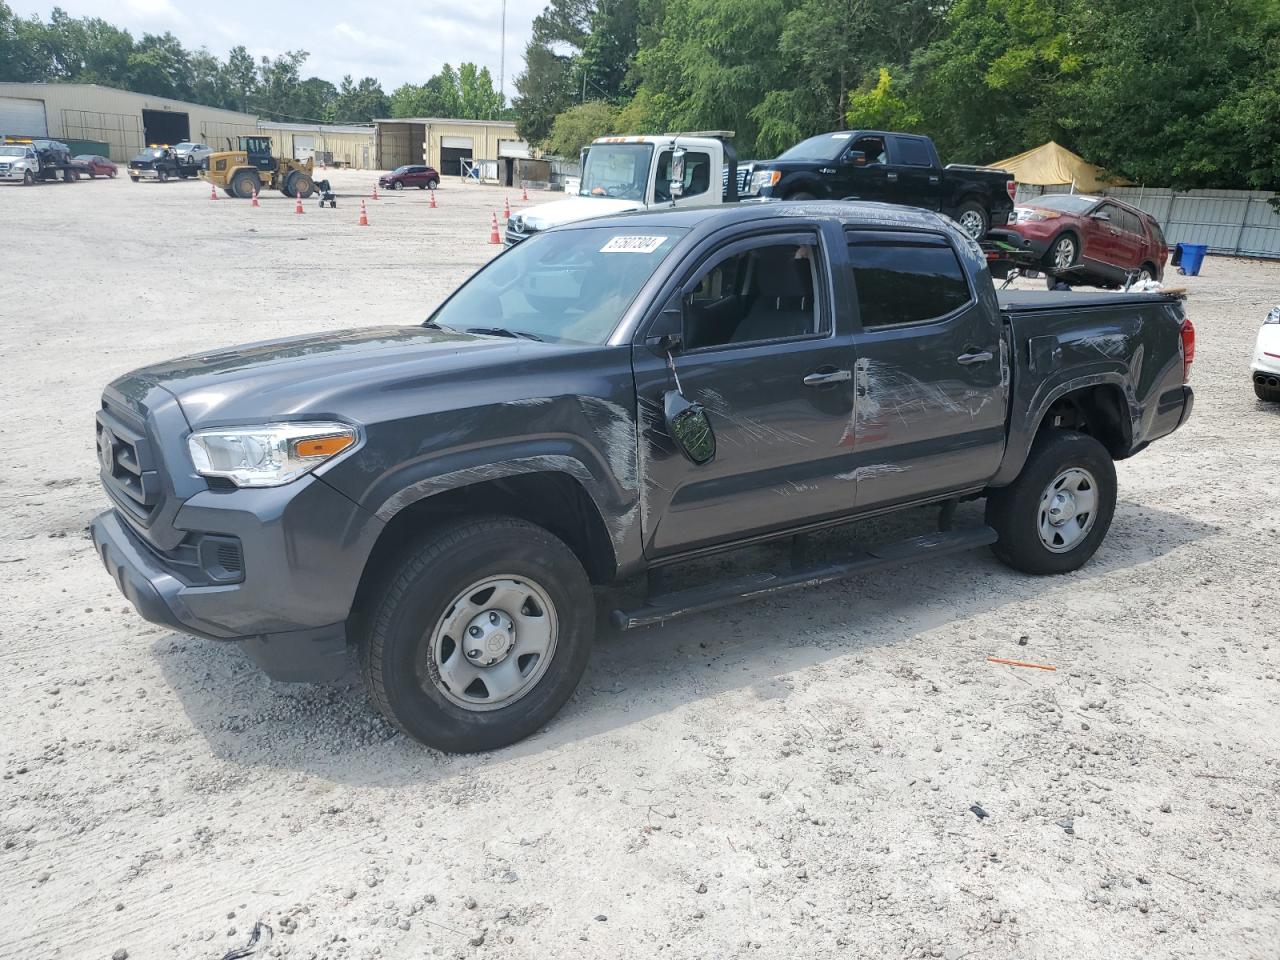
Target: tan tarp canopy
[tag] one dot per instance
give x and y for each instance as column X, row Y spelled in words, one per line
column 1051, row 165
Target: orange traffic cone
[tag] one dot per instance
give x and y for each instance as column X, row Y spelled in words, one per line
column 493, row 231
column 433, row 199
column 524, row 192
column 506, row 210
column 213, row 192
column 364, row 216
column 297, row 207
column 375, row 193
column 255, row 198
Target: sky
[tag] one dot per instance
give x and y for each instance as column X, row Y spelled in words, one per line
column 393, row 40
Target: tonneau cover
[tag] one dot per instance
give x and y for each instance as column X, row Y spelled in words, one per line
column 1031, row 301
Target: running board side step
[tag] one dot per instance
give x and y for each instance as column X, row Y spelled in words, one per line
column 667, row 606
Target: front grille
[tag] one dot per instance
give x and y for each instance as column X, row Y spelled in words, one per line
column 514, row 236
column 126, row 461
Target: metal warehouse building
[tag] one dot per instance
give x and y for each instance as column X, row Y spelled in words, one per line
column 445, row 144
column 96, row 119
column 124, row 121
column 331, row 144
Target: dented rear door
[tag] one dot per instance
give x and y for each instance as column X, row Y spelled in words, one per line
column 929, row 381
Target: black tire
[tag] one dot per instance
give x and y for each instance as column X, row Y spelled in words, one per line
column 397, row 184
column 135, row 179
column 242, row 184
column 1063, row 253
column 163, row 176
column 396, row 644
column 432, row 184
column 28, row 179
column 1017, row 512
column 422, row 186
column 802, row 195
column 300, row 185
column 973, row 219
column 1149, row 269
column 70, row 176
column 111, row 174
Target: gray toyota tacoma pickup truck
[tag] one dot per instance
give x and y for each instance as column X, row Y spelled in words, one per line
column 604, row 401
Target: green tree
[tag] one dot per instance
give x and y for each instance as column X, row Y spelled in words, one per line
column 579, row 125
column 277, row 84
column 543, row 90
column 480, row 99
column 160, row 65
column 360, row 102
column 241, row 78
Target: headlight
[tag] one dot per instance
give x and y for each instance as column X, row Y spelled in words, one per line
column 269, row 455
column 764, row 178
column 1274, row 315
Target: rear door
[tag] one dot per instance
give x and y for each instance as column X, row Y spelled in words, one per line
column 929, row 382
column 913, row 179
column 762, row 355
column 1130, row 239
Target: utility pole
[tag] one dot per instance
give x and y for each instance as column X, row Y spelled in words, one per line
column 502, row 57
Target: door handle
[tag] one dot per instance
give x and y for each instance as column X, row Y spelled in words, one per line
column 933, row 179
column 969, row 359
column 891, row 177
column 830, row 376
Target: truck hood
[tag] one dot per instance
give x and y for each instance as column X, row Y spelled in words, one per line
column 571, row 210
column 321, row 375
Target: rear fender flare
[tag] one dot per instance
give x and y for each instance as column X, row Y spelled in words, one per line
column 1023, row 429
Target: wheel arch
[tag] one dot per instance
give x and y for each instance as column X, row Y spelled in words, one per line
column 544, row 494
column 1096, row 405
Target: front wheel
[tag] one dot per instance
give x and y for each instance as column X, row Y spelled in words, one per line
column 802, row 195
column 1053, row 517
column 481, row 635
column 973, row 219
column 397, row 184
column 28, row 179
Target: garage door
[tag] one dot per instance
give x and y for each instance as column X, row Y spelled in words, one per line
column 451, row 157
column 304, row 148
column 22, row 118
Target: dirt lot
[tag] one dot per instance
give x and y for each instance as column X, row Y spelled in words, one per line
column 794, row 778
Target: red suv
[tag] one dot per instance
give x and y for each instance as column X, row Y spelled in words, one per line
column 422, row 177
column 1086, row 239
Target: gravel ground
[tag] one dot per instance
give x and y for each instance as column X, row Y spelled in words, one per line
column 800, row 777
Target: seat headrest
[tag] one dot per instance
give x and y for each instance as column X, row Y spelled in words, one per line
column 779, row 274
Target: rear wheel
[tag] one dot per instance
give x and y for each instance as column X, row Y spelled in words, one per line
column 1053, row 517
column 1146, row 272
column 163, row 176
column 1266, row 393
column 973, row 219
column 70, row 176
column 300, row 185
column 432, row 184
column 111, row 174
column 480, row 636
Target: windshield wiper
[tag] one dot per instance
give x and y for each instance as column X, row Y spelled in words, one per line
column 431, row 324
column 504, row 332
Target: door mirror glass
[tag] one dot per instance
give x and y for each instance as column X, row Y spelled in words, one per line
column 1102, row 215
column 677, row 173
column 689, row 427
column 857, row 157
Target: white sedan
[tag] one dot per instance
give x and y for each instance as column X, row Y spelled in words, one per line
column 1266, row 359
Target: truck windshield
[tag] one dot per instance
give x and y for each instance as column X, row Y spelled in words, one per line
column 827, row 146
column 618, row 170
column 13, row 151
column 568, row 286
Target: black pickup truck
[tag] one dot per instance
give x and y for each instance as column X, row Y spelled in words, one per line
column 884, row 167
column 604, row 401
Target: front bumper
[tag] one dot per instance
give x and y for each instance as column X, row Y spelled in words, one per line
column 144, row 174
column 12, row 174
column 303, row 554
column 1029, row 247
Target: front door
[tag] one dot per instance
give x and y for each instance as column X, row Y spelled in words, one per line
column 929, row 378
column 1101, row 241
column 760, row 354
column 863, row 171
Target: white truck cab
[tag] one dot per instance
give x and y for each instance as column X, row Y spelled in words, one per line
column 621, row 174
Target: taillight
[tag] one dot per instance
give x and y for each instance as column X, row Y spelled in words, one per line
column 1188, row 348
column 1012, row 187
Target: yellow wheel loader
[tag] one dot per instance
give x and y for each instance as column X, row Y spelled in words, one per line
column 239, row 172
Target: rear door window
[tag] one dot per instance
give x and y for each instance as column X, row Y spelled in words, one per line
column 904, row 278
column 913, row 152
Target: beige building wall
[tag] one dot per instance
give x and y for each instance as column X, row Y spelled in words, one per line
column 83, row 111
column 436, row 142
column 350, row 145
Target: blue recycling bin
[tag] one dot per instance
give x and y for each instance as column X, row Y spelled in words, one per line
column 1189, row 257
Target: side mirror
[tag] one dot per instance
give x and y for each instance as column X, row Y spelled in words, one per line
column 1104, row 217
column 857, row 157
column 689, row 427
column 677, row 173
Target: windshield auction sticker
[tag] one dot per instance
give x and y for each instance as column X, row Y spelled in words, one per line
column 633, row 245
